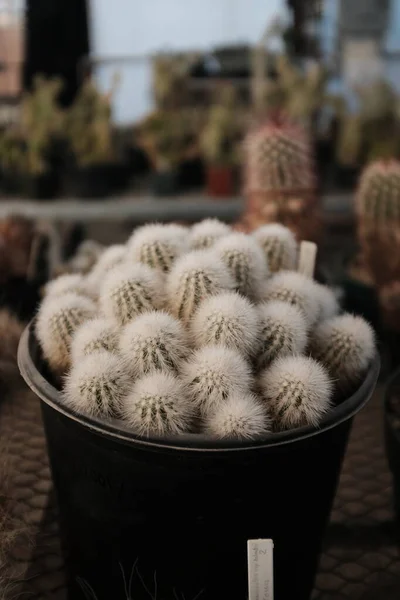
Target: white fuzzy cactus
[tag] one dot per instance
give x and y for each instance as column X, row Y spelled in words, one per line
column 296, row 289
column 229, row 320
column 242, row 417
column 297, row 391
column 57, row 321
column 129, row 291
column 157, row 405
column 213, row 374
column 206, row 233
column 157, row 246
column 328, row 304
column 96, row 335
column 346, row 346
column 97, row 384
column 283, row 332
column 279, row 245
column 154, row 341
column 109, row 259
column 194, row 277
column 245, row 261
column 74, row 282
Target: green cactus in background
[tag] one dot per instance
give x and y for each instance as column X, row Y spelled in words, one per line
column 88, row 125
column 218, row 140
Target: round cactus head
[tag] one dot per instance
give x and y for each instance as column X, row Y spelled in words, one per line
column 95, row 335
column 245, row 261
column 241, row 417
column 157, row 246
column 378, row 194
column 296, row 289
column 212, row 374
column 297, row 391
column 129, row 291
column 154, row 341
column 279, row 245
column 194, row 277
column 157, row 406
column 206, row 233
column 74, row 283
column 227, row 319
column 346, row 346
column 57, row 321
column 109, row 259
column 328, row 304
column 283, row 332
column 96, row 385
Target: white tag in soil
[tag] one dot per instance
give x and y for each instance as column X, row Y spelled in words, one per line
column 307, row 258
column 260, row 569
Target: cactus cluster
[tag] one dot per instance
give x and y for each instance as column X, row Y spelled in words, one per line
column 207, row 342
column 280, row 182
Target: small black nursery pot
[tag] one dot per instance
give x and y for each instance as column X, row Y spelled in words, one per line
column 170, row 517
column 97, row 180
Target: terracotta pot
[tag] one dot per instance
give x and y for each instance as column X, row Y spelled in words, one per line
column 220, row 181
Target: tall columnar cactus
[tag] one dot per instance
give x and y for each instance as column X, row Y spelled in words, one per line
column 157, row 405
column 156, row 246
column 96, row 335
column 193, row 277
column 154, row 341
column 297, row 391
column 279, row 167
column 213, row 374
column 109, row 259
column 97, row 384
column 283, row 332
column 129, row 291
column 241, row 417
column 296, row 289
column 378, row 213
column 206, row 233
column 245, row 261
column 346, row 346
column 228, row 320
column 279, row 245
column 57, row 321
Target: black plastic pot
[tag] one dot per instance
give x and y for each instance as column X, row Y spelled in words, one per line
column 97, row 180
column 170, row 518
column 361, row 299
column 191, row 174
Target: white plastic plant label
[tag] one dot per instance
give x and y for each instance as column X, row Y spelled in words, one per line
column 260, row 566
column 307, row 258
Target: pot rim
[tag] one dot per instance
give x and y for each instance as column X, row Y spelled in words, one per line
column 191, row 442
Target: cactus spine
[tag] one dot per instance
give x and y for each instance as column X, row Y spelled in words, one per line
column 279, row 245
column 154, row 341
column 346, row 346
column 283, row 332
column 295, row 289
column 157, row 246
column 96, row 385
column 228, row 320
column 206, row 233
column 74, row 283
column 195, row 276
column 157, row 405
column 241, row 417
column 212, row 374
column 57, row 321
column 96, row 335
column 129, row 291
column 297, row 392
column 245, row 262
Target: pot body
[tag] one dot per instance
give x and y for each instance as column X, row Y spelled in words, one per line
column 171, row 519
